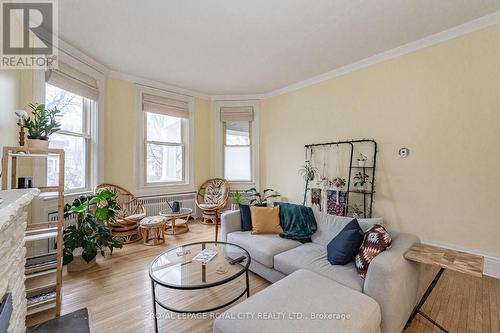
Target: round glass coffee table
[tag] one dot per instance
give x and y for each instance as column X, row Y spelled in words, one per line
column 178, row 269
column 178, row 222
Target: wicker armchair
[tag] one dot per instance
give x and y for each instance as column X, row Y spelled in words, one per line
column 211, row 198
column 130, row 212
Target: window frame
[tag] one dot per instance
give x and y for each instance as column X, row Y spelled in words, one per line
column 89, row 109
column 225, row 145
column 182, row 144
column 142, row 187
column 219, row 162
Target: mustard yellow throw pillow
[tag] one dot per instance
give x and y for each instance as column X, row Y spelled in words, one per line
column 265, row 220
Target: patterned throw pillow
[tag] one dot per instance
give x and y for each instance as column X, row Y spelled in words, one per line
column 377, row 240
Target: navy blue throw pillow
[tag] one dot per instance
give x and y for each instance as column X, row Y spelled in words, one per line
column 343, row 248
column 246, row 219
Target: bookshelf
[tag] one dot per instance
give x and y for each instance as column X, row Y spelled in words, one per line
column 43, row 272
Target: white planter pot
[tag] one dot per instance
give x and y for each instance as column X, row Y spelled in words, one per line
column 360, row 188
column 361, row 163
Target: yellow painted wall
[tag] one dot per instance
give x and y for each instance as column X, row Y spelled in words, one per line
column 10, row 81
column 442, row 102
column 203, row 139
column 121, row 133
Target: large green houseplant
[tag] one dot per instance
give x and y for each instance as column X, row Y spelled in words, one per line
column 41, row 124
column 259, row 199
column 90, row 235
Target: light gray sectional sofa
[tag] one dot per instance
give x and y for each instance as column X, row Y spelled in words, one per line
column 391, row 281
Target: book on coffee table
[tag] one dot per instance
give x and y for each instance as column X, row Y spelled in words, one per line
column 205, row 256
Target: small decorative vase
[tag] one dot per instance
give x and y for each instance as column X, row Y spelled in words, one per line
column 235, row 207
column 360, row 188
column 38, row 143
column 361, row 163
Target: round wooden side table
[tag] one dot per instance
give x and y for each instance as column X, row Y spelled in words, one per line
column 152, row 230
column 178, row 222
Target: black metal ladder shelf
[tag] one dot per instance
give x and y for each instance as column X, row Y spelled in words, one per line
column 367, row 194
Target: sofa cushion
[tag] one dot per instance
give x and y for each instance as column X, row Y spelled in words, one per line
column 246, row 218
column 296, row 298
column 376, row 240
column 343, row 248
column 313, row 257
column 365, row 224
column 329, row 226
column 262, row 248
column 265, row 220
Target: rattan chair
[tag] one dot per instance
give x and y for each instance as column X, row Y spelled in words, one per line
column 211, row 198
column 128, row 216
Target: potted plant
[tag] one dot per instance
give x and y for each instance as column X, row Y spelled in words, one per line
column 258, row 199
column 360, row 179
column 362, row 160
column 90, row 235
column 308, row 172
column 235, row 200
column 40, row 125
column 356, row 211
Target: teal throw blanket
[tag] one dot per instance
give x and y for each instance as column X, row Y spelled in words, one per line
column 297, row 221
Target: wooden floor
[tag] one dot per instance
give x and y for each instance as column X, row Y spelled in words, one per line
column 117, row 293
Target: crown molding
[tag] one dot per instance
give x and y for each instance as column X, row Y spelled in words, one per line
column 440, row 37
column 157, row 85
column 255, row 97
column 80, row 56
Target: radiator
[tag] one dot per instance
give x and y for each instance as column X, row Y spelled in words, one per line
column 154, row 204
column 70, row 220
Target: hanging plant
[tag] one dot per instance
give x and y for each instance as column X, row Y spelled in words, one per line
column 308, row 172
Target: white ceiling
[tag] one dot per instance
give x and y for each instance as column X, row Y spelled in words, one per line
column 252, row 46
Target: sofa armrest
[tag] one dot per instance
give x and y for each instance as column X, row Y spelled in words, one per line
column 393, row 282
column 229, row 222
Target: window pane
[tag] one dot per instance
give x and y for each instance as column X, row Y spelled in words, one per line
column 163, row 128
column 237, row 163
column 164, row 163
column 74, row 163
column 238, row 133
column 71, row 107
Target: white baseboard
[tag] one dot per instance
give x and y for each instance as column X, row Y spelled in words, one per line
column 491, row 261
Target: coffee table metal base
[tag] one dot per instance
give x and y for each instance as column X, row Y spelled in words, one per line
column 157, row 302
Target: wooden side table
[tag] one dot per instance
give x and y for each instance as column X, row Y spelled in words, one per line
column 445, row 259
column 178, row 222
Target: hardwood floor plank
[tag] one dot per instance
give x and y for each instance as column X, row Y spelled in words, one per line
column 494, row 306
